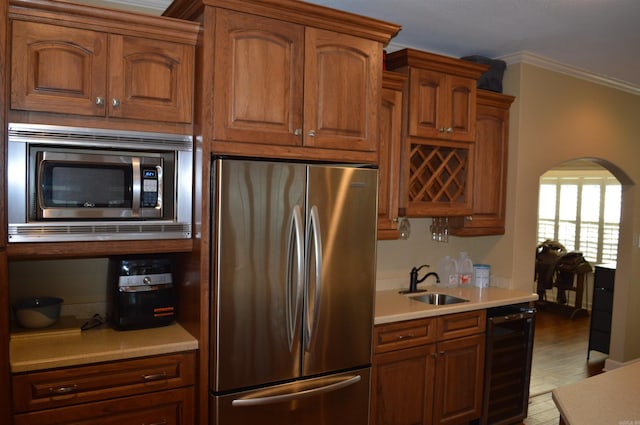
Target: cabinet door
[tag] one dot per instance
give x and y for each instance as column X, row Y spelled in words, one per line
column 441, row 106
column 389, row 150
column 171, row 407
column 258, row 80
column 343, row 79
column 59, row 69
column 402, row 387
column 490, row 177
column 459, row 380
column 150, row 79
column 427, row 103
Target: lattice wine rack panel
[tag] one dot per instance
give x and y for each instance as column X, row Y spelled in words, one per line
column 438, row 174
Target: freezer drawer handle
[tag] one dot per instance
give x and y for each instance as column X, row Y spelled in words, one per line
column 261, row 401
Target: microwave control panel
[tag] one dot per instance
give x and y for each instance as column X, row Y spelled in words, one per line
column 149, row 197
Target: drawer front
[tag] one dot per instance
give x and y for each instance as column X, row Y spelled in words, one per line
column 172, row 407
column 63, row 387
column 461, row 324
column 398, row 335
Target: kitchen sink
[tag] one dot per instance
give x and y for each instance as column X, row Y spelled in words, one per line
column 439, row 299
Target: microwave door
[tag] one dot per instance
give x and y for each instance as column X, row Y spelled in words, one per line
column 92, row 186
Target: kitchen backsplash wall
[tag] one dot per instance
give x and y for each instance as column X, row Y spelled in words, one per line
column 82, row 283
column 397, row 257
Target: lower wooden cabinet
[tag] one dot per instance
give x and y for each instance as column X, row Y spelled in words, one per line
column 152, row 390
column 429, row 371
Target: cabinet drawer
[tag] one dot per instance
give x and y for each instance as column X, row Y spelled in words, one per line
column 172, row 407
column 63, row 387
column 411, row 333
column 461, row 324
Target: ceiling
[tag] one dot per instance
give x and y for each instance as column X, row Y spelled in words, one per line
column 593, row 39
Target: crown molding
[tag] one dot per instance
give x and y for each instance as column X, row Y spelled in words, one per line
column 551, row 65
column 156, row 6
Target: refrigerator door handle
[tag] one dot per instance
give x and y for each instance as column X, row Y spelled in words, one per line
column 295, row 268
column 312, row 315
column 295, row 395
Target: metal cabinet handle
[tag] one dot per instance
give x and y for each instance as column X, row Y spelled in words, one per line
column 449, row 130
column 311, row 133
column 63, row 390
column 405, row 336
column 100, row 101
column 155, row 376
column 115, row 103
column 297, row 132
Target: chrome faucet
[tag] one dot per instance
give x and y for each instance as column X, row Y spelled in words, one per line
column 413, row 282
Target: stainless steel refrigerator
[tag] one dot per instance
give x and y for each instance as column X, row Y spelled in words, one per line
column 293, row 281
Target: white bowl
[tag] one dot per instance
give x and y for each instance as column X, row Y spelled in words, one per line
column 38, row 312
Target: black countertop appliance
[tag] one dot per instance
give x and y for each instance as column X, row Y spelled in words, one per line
column 142, row 294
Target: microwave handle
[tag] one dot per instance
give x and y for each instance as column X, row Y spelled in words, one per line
column 136, row 186
column 160, row 186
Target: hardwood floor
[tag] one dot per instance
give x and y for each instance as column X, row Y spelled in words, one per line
column 559, row 358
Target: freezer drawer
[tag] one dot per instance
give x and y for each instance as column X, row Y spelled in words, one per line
column 340, row 399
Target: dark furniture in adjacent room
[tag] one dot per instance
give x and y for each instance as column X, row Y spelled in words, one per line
column 601, row 309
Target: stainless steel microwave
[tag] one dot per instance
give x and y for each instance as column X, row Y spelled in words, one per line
column 78, row 184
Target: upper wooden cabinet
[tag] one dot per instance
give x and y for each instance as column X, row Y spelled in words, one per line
column 442, row 94
column 281, row 83
column 389, row 154
column 438, row 133
column 288, row 79
column 92, row 63
column 490, row 177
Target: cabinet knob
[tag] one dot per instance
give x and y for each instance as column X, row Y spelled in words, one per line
column 449, row 130
column 115, row 103
column 297, row 132
column 100, row 101
column 311, row 133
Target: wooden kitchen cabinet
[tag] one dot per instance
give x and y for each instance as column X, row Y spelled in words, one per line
column 114, row 66
column 288, row 80
column 389, row 154
column 281, row 83
column 429, row 371
column 442, row 94
column 438, row 133
column 490, row 177
column 157, row 389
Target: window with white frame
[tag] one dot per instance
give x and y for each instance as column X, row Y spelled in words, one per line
column 581, row 210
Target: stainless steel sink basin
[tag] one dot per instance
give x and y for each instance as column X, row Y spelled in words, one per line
column 438, row 299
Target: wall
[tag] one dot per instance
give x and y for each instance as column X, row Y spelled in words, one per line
column 555, row 118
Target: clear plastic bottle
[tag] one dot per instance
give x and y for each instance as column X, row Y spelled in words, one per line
column 447, row 272
column 464, row 267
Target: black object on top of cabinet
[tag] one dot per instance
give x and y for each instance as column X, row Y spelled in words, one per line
column 602, row 308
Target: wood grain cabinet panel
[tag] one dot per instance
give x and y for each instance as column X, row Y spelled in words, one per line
column 55, row 68
column 74, row 385
column 439, row 132
column 389, row 155
column 429, row 371
column 71, row 70
column 173, row 407
column 490, row 176
column 279, row 83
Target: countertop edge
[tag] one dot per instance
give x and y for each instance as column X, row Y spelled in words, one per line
column 394, row 307
column 115, row 345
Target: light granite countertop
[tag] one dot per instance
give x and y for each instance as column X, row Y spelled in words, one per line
column 610, row 398
column 61, row 349
column 391, row 306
